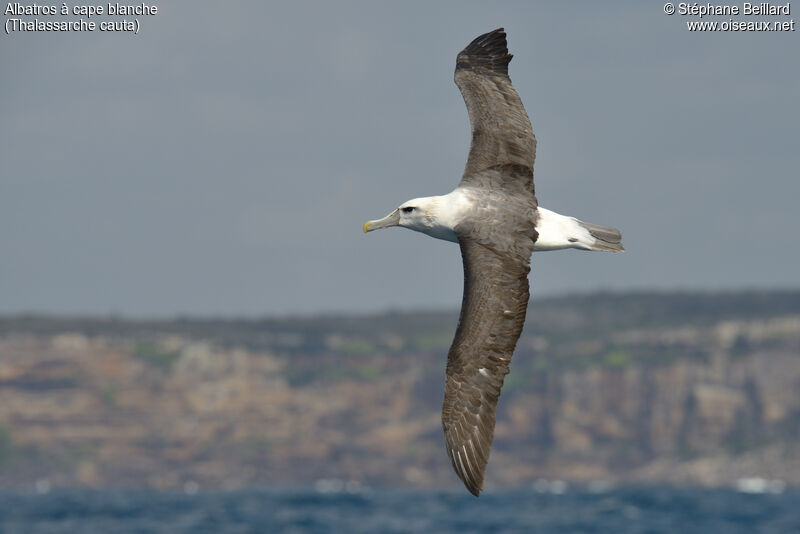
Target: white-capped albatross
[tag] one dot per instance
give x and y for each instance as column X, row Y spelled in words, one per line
column 494, row 216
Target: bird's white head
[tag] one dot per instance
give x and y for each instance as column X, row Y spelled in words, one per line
column 419, row 214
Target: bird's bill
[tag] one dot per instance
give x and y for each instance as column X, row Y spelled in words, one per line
column 393, row 219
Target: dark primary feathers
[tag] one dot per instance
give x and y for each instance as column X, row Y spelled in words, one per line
column 492, row 314
column 496, row 246
column 501, row 131
column 488, row 51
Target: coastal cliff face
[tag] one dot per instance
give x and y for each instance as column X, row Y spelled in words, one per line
column 684, row 389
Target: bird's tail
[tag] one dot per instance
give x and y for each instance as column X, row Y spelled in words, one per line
column 605, row 237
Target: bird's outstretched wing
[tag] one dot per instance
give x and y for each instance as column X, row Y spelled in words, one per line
column 492, row 315
column 496, row 243
column 501, row 131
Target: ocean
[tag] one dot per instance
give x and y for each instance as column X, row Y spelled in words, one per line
column 634, row 510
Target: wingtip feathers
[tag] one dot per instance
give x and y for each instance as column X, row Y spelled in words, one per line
column 488, row 51
column 472, row 478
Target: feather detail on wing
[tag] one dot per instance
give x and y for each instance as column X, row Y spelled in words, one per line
column 492, row 315
column 501, row 131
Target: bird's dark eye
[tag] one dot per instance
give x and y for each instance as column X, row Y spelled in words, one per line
column 407, row 210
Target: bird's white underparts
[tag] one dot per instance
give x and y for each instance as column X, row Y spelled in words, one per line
column 438, row 217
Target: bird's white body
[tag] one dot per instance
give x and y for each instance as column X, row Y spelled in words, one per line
column 439, row 215
column 558, row 232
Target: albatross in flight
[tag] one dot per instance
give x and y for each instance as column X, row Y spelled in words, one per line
column 495, row 218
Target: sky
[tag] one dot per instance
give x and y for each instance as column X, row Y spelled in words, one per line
column 222, row 161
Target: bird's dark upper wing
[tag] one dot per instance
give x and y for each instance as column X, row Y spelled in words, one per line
column 492, row 314
column 496, row 242
column 501, row 131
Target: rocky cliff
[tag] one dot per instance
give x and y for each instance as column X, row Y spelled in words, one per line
column 685, row 389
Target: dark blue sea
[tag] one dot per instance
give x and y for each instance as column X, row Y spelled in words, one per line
column 618, row 511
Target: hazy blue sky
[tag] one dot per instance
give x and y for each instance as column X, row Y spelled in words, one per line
column 223, row 160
